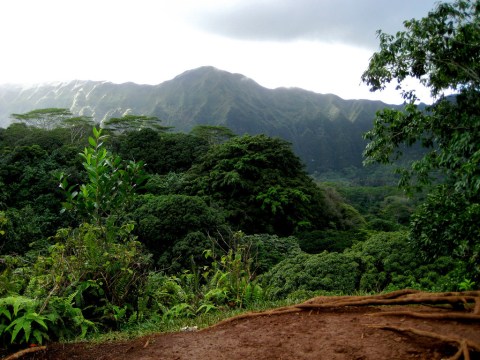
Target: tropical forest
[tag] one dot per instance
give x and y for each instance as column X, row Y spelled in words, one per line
column 132, row 224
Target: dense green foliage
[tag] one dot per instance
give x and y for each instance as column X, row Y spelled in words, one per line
column 268, row 250
column 29, row 194
column 317, row 241
column 388, row 261
column 161, row 152
column 447, row 225
column 384, row 261
column 440, row 50
column 176, row 227
column 139, row 243
column 135, row 245
column 111, row 255
column 262, row 186
column 386, row 208
column 324, row 271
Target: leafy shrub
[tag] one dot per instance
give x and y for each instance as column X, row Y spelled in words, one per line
column 20, row 321
column 24, row 320
column 109, row 190
column 381, row 258
column 378, row 224
column 101, row 273
column 67, row 320
column 315, row 242
column 175, row 224
column 268, row 250
column 324, row 271
column 227, row 282
column 231, row 280
column 170, row 183
column 186, row 253
column 389, row 261
column 447, row 225
column 162, row 152
column 11, row 277
column 99, row 261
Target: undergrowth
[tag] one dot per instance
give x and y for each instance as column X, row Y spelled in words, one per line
column 201, row 321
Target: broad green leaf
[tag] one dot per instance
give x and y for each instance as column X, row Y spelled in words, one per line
column 92, row 141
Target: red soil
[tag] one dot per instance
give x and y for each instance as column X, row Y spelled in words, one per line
column 332, row 332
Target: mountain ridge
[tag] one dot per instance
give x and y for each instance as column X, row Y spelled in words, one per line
column 324, row 129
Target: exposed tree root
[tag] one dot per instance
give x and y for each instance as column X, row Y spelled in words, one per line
column 469, row 301
column 279, row 311
column 462, row 350
column 399, row 297
column 432, row 316
column 390, row 295
column 21, row 353
column 339, row 301
column 475, row 293
column 425, row 299
column 464, row 345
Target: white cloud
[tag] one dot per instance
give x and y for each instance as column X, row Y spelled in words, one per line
column 319, row 45
column 344, row 21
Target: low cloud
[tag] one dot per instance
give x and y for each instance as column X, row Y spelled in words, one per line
column 351, row 22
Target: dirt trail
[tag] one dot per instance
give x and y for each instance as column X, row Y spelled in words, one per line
column 371, row 327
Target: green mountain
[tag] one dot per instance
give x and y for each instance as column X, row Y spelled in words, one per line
column 325, row 130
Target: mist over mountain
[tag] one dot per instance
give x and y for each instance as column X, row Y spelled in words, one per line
column 325, row 130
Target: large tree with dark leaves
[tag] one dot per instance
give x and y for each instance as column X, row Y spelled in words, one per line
column 161, row 152
column 442, row 51
column 262, row 186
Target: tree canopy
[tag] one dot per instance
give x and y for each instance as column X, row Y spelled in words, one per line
column 262, row 185
column 212, row 134
column 132, row 122
column 161, row 152
column 47, row 119
column 442, row 51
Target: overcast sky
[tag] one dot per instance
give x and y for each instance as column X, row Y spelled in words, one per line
column 318, row 45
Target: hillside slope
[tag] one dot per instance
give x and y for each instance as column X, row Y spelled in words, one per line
column 325, row 130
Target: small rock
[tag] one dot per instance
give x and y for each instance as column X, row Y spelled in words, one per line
column 189, row 328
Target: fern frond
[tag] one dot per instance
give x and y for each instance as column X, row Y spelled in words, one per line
column 4, row 311
column 39, row 336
